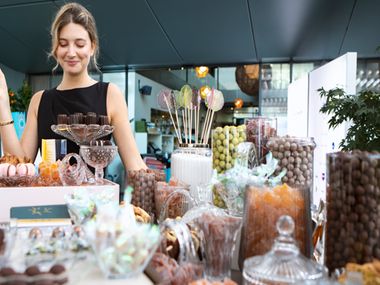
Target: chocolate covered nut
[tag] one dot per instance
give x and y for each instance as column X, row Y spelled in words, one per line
column 32, row 270
column 7, row 271
column 354, row 193
column 143, row 183
column 295, row 155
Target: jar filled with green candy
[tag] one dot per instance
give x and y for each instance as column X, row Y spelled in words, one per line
column 225, row 142
column 224, row 146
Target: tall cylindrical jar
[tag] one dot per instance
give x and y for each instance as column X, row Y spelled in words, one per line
column 259, row 131
column 263, row 207
column 295, row 155
column 353, row 211
column 192, row 164
column 224, row 146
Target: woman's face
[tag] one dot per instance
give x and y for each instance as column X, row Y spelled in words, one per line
column 74, row 49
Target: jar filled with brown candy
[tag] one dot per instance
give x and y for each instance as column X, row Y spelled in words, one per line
column 353, row 211
column 259, row 130
column 263, row 207
column 295, row 155
column 144, row 185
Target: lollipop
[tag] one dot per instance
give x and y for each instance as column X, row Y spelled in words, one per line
column 187, row 95
column 215, row 100
column 167, row 101
column 164, row 100
column 214, row 103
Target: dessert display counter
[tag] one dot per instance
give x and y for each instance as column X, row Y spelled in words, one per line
column 53, row 195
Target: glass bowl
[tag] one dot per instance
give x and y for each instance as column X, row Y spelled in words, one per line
column 98, row 156
column 126, row 253
column 7, row 240
column 81, row 133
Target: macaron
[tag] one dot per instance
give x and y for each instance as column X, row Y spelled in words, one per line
column 25, row 169
column 22, row 169
column 7, row 170
column 31, row 169
column 11, row 170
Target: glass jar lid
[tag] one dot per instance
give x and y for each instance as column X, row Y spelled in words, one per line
column 284, row 262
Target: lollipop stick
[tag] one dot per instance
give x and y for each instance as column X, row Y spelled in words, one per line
column 171, row 117
column 198, row 108
column 184, row 123
column 179, row 127
column 205, row 124
column 209, row 127
column 191, row 121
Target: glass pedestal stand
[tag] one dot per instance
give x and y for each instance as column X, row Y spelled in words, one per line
column 95, row 156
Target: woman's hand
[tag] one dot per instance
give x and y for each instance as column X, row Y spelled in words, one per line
column 4, row 97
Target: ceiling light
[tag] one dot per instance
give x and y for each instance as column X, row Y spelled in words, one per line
column 204, row 91
column 201, row 71
column 238, row 103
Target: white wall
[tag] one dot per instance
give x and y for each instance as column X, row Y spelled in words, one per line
column 142, row 103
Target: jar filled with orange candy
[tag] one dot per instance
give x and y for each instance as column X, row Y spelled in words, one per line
column 49, row 174
column 263, row 207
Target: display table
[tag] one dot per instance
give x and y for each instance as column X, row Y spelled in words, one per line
column 80, row 272
column 38, row 196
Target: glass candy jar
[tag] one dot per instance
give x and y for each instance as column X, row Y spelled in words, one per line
column 143, row 183
column 283, row 264
column 224, row 146
column 192, row 164
column 263, row 207
column 353, row 212
column 72, row 174
column 259, row 131
column 296, row 156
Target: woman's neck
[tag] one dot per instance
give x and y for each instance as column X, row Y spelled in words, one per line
column 75, row 81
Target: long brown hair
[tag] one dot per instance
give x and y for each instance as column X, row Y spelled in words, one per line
column 77, row 14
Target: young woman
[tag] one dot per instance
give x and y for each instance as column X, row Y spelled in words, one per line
column 74, row 46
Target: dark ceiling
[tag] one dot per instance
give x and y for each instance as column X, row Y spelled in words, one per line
column 171, row 33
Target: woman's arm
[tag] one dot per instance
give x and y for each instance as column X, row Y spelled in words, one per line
column 11, row 144
column 118, row 114
column 29, row 138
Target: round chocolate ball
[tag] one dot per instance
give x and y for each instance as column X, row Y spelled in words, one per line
column 7, row 271
column 32, row 270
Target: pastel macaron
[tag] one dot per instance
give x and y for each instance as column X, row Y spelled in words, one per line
column 7, row 170
column 26, row 169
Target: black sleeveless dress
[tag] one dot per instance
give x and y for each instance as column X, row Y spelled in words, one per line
column 78, row 100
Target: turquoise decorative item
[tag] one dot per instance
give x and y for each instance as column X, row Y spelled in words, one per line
column 19, row 119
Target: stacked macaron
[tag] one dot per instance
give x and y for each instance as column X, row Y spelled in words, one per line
column 21, row 169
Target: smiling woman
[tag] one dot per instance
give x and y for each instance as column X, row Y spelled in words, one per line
column 75, row 47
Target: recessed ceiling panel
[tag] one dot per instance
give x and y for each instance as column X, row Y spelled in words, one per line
column 129, row 34
column 293, row 28
column 363, row 35
column 27, row 29
column 217, row 31
column 324, row 30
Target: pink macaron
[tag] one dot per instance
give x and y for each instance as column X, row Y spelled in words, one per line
column 31, row 169
column 11, row 170
column 7, row 170
column 25, row 169
column 3, row 169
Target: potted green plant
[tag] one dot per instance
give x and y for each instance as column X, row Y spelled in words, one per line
column 19, row 103
column 362, row 110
